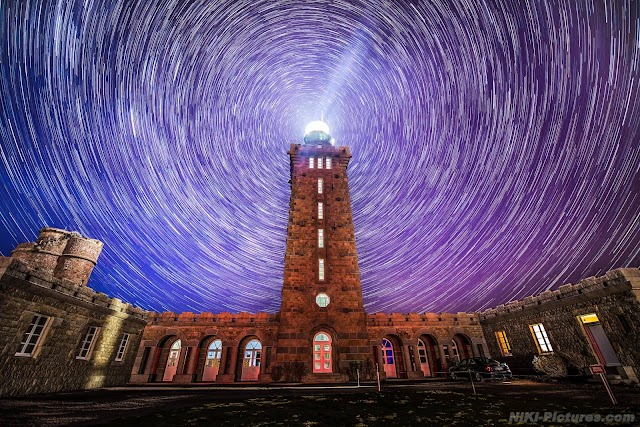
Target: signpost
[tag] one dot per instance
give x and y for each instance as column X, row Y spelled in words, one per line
column 599, row 370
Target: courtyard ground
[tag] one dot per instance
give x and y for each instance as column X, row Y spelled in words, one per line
column 401, row 404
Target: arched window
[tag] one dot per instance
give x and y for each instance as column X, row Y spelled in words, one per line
column 212, row 363
column 251, row 361
column 172, row 361
column 388, row 359
column 322, row 353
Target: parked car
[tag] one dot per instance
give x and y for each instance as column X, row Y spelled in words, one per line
column 479, row 368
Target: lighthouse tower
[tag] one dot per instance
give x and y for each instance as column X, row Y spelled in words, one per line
column 322, row 319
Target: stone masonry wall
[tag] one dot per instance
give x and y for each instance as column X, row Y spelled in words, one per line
column 72, row 308
column 612, row 297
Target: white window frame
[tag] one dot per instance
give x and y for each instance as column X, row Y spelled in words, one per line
column 320, row 184
column 311, row 162
column 320, row 210
column 33, row 338
column 89, row 341
column 541, row 338
column 319, row 162
column 122, row 348
column 320, row 238
column 327, row 164
column 321, row 269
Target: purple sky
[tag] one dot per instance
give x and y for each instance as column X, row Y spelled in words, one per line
column 496, row 147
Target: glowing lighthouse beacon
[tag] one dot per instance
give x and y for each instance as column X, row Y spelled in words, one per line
column 317, row 132
column 322, row 319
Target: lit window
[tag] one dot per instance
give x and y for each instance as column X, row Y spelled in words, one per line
column 503, row 342
column 327, row 163
column 310, row 162
column 542, row 340
column 320, row 269
column 322, row 300
column 319, row 162
column 320, row 213
column 123, row 347
column 87, row 344
column 589, row 318
column 31, row 338
column 320, row 238
column 320, row 185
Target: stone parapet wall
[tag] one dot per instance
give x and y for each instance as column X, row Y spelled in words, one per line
column 619, row 280
column 17, row 269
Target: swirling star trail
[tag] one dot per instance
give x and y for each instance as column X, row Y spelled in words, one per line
column 496, row 146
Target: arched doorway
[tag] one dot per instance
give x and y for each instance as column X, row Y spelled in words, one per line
column 427, row 354
column 251, row 361
column 212, row 362
column 172, row 361
column 389, row 358
column 461, row 347
column 322, row 353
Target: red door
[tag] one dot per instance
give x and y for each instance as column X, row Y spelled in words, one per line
column 172, row 361
column 251, row 361
column 322, row 353
column 388, row 359
column 212, row 363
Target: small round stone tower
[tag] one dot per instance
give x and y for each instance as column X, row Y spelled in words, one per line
column 44, row 253
column 78, row 259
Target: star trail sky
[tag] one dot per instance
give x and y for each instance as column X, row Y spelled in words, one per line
column 496, row 146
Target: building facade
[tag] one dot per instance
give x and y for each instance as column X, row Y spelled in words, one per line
column 594, row 322
column 321, row 333
column 56, row 334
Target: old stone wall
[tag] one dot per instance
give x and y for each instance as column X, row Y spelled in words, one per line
column 612, row 297
column 72, row 308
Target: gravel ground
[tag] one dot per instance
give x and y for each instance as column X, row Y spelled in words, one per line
column 442, row 403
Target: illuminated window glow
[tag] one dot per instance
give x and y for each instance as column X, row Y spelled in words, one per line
column 320, row 185
column 320, row 212
column 320, row 238
column 322, row 300
column 319, row 162
column 503, row 342
column 310, row 162
column 541, row 338
column 320, row 269
column 328, row 163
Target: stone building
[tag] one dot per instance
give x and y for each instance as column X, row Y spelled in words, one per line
column 55, row 333
column 596, row 321
column 321, row 333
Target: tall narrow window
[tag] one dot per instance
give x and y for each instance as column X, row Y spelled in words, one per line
column 321, row 269
column 310, row 162
column 87, row 344
column 31, row 337
column 319, row 185
column 541, row 338
column 123, row 347
column 503, row 342
column 320, row 213
column 319, row 162
column 327, row 163
column 320, row 238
